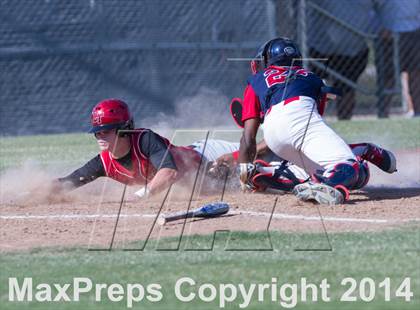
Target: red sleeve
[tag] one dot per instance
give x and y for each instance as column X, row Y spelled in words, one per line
column 235, row 155
column 322, row 104
column 251, row 105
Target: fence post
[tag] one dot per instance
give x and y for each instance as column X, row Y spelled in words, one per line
column 397, row 69
column 301, row 32
column 272, row 18
column 380, row 83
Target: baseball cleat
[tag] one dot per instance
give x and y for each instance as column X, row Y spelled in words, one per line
column 383, row 159
column 319, row 192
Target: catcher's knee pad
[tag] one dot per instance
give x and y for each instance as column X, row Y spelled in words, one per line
column 345, row 174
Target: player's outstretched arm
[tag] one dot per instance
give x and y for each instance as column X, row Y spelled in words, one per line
column 262, row 148
column 230, row 160
column 92, row 170
column 164, row 178
column 156, row 150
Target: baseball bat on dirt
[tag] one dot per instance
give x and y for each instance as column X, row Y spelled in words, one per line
column 208, row 210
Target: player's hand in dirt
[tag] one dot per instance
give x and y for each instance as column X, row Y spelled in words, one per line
column 223, row 166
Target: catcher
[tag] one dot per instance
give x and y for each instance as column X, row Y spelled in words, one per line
column 271, row 171
column 288, row 102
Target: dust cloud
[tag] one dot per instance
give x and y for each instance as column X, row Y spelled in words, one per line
column 33, row 184
column 208, row 109
column 27, row 184
column 407, row 176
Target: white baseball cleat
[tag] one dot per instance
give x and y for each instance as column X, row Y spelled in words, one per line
column 321, row 193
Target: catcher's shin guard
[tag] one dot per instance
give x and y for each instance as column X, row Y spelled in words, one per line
column 345, row 174
column 364, row 175
column 278, row 177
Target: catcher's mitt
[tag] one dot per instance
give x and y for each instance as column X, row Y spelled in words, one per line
column 236, row 111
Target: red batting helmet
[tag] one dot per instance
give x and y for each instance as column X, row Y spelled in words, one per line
column 110, row 114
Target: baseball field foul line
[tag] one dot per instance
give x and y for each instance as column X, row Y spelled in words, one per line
column 248, row 213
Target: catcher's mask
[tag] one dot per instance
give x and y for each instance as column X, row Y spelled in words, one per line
column 111, row 114
column 279, row 52
column 257, row 63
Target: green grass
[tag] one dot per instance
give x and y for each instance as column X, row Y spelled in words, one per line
column 47, row 149
column 393, row 254
column 392, row 133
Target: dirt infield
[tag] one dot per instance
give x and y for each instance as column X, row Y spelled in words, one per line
column 84, row 218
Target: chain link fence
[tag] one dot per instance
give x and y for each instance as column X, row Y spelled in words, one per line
column 362, row 47
column 58, row 58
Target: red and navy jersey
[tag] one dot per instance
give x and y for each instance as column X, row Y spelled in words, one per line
column 275, row 84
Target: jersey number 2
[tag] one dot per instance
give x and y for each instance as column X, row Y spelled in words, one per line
column 275, row 76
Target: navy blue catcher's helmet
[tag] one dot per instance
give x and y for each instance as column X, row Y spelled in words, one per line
column 278, row 51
